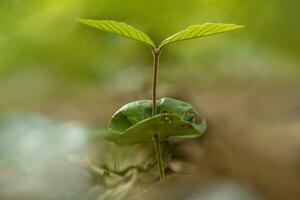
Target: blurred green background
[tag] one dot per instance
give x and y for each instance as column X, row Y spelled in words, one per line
column 45, row 55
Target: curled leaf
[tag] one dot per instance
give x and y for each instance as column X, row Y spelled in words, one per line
column 133, row 123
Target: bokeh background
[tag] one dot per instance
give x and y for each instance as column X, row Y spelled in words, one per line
column 58, row 77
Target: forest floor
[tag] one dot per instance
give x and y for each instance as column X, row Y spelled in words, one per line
column 253, row 139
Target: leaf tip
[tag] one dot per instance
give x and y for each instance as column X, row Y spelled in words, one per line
column 239, row 26
column 82, row 21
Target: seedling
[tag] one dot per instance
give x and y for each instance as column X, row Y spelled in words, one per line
column 155, row 120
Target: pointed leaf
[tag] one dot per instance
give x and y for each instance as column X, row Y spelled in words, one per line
column 119, row 28
column 196, row 31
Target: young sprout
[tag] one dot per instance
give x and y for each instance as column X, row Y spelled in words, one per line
column 155, row 120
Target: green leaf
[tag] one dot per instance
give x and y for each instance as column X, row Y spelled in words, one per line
column 137, row 111
column 165, row 125
column 196, row 31
column 133, row 123
column 119, row 28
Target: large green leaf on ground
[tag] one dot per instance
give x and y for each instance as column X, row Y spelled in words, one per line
column 119, row 28
column 196, row 31
column 133, row 123
column 136, row 111
column 165, row 125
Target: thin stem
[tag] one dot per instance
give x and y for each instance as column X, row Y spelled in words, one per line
column 159, row 157
column 155, row 52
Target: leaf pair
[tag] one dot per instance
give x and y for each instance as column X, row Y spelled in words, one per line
column 125, row 30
